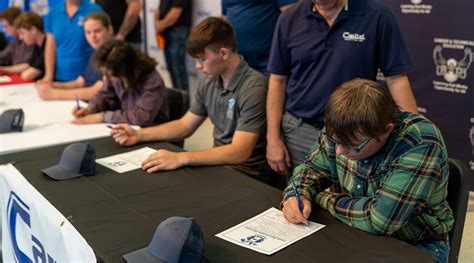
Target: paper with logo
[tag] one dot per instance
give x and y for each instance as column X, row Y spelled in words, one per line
column 268, row 232
column 32, row 229
column 126, row 162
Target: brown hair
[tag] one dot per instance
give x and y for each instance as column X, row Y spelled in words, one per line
column 359, row 107
column 10, row 14
column 124, row 61
column 28, row 20
column 212, row 33
column 102, row 17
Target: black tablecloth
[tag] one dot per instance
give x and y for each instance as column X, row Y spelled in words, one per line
column 118, row 213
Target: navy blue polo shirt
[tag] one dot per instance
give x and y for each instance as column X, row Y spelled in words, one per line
column 254, row 22
column 318, row 58
column 72, row 49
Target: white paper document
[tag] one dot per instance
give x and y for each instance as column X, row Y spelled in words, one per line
column 126, row 162
column 268, row 232
column 4, row 79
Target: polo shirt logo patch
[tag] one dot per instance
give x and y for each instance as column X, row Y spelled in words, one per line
column 347, row 36
column 80, row 21
column 230, row 108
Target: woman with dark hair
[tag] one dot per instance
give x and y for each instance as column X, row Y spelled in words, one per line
column 133, row 91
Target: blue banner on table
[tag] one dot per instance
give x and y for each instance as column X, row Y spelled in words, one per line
column 440, row 37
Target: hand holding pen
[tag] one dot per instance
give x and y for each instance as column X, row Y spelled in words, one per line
column 296, row 209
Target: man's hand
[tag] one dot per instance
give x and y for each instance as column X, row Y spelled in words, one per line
column 159, row 26
column 291, row 210
column 125, row 135
column 163, row 160
column 89, row 118
column 278, row 157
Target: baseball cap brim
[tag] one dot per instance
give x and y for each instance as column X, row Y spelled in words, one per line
column 58, row 173
column 141, row 256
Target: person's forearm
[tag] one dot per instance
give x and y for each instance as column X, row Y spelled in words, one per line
column 171, row 17
column 170, row 131
column 275, row 104
column 49, row 58
column 222, row 155
column 73, row 84
column 399, row 87
column 84, row 93
column 131, row 19
column 18, row 68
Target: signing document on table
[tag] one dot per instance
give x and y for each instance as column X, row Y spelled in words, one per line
column 268, row 232
column 126, row 162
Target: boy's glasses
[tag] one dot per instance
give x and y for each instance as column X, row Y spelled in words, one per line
column 356, row 149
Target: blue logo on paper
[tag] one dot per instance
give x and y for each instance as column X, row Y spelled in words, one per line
column 253, row 240
column 230, row 108
column 18, row 215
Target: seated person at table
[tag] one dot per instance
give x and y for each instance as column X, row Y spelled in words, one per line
column 16, row 51
column 233, row 96
column 388, row 171
column 98, row 29
column 29, row 27
column 133, row 90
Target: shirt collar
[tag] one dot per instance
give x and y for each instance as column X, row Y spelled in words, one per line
column 354, row 8
column 238, row 75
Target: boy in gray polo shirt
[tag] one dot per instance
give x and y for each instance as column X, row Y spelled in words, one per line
column 233, row 96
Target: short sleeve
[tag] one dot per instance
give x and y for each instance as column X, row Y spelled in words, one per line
column 392, row 52
column 280, row 61
column 252, row 109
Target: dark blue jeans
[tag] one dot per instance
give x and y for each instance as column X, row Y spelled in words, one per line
column 438, row 248
column 175, row 55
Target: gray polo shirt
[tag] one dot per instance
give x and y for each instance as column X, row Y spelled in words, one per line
column 240, row 107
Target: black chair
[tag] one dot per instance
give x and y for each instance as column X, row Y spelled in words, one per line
column 178, row 103
column 458, row 195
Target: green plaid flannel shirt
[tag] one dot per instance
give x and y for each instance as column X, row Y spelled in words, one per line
column 400, row 191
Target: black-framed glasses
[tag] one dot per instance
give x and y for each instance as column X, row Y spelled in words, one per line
column 356, row 149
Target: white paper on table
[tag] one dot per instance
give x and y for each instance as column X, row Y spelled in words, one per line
column 126, row 162
column 268, row 232
column 4, row 79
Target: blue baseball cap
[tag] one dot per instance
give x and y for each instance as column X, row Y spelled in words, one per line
column 176, row 240
column 12, row 121
column 77, row 159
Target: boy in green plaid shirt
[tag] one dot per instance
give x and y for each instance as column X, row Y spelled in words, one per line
column 388, row 170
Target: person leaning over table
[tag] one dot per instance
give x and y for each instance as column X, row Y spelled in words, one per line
column 233, row 96
column 98, row 30
column 133, row 90
column 16, row 51
column 388, row 170
column 29, row 27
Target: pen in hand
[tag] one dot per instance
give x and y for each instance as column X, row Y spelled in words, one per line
column 300, row 204
column 77, row 102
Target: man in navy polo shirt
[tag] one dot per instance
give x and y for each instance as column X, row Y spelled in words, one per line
column 66, row 51
column 318, row 45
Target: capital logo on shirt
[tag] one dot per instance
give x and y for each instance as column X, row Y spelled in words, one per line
column 347, row 36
